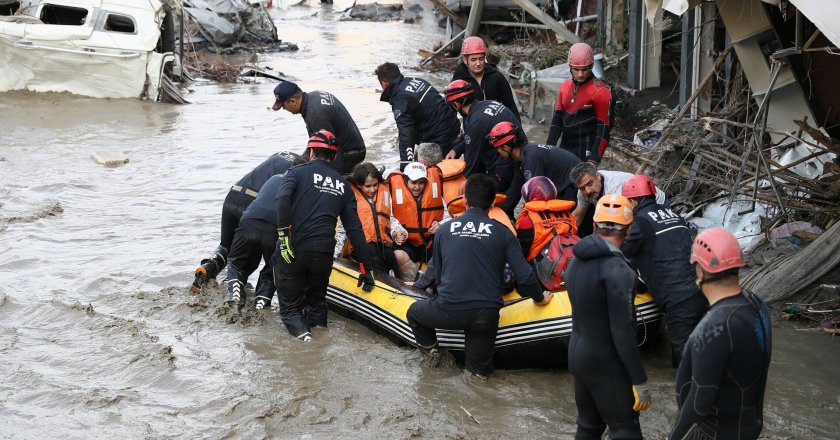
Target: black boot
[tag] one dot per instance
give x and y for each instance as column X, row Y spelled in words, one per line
column 209, row 268
column 265, row 290
column 236, row 295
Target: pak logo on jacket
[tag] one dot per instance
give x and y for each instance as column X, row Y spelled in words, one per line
column 469, row 229
column 328, row 185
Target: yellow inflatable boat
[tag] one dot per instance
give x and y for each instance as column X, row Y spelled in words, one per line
column 530, row 336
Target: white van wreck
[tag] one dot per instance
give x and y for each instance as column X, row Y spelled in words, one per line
column 97, row 48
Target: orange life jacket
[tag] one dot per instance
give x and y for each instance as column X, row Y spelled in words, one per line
column 417, row 216
column 452, row 171
column 376, row 215
column 550, row 218
column 458, row 207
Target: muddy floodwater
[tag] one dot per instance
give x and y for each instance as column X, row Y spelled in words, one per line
column 100, row 336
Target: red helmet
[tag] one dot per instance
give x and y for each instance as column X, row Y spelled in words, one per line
column 638, row 186
column 539, row 188
column 716, row 250
column 473, row 45
column 459, row 89
column 323, row 139
column 505, row 133
column 580, row 55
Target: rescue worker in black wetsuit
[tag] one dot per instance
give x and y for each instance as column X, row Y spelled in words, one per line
column 534, row 160
column 488, row 83
column 420, row 112
column 659, row 246
column 255, row 237
column 610, row 380
column 311, row 198
column 582, row 114
column 237, row 200
column 723, row 373
column 323, row 111
column 469, row 255
column 479, row 118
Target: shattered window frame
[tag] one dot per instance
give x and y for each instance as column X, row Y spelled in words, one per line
column 121, row 21
column 63, row 15
column 9, row 9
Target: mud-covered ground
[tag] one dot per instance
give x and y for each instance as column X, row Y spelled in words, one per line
column 101, row 338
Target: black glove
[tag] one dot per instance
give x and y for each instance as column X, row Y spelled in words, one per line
column 366, row 281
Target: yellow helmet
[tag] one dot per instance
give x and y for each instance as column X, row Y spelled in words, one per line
column 613, row 208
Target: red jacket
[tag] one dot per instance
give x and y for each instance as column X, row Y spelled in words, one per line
column 582, row 118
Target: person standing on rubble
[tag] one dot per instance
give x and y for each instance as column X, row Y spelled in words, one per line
column 659, row 247
column 237, row 200
column 582, row 114
column 420, row 112
column 488, row 83
column 723, row 373
column 323, row 111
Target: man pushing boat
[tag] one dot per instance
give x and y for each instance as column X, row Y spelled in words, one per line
column 469, row 254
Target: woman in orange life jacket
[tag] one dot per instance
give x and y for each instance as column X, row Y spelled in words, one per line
column 373, row 203
column 542, row 218
column 417, row 201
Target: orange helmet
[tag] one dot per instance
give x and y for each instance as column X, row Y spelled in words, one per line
column 716, row 250
column 323, row 139
column 473, row 45
column 638, row 186
column 613, row 208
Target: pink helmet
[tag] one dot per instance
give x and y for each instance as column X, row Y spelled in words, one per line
column 716, row 250
column 473, row 45
column 580, row 55
column 539, row 188
column 638, row 186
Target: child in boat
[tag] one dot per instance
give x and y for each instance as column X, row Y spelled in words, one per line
column 373, row 203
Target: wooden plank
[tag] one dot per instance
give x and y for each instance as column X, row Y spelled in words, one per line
column 437, row 52
column 516, row 24
column 474, row 19
column 562, row 32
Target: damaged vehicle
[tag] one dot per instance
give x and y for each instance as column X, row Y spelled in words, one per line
column 97, row 48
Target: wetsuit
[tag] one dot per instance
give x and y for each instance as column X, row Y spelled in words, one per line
column 603, row 356
column 659, row 246
column 422, row 115
column 310, row 199
column 240, row 196
column 582, row 118
column 723, row 373
column 469, row 255
column 255, row 237
column 493, row 87
column 480, row 156
column 323, row 111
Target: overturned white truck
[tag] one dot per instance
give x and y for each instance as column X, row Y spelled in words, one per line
column 98, row 48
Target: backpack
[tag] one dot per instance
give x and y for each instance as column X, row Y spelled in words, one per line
column 553, row 260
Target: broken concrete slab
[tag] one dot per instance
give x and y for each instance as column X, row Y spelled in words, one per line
column 109, row 158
